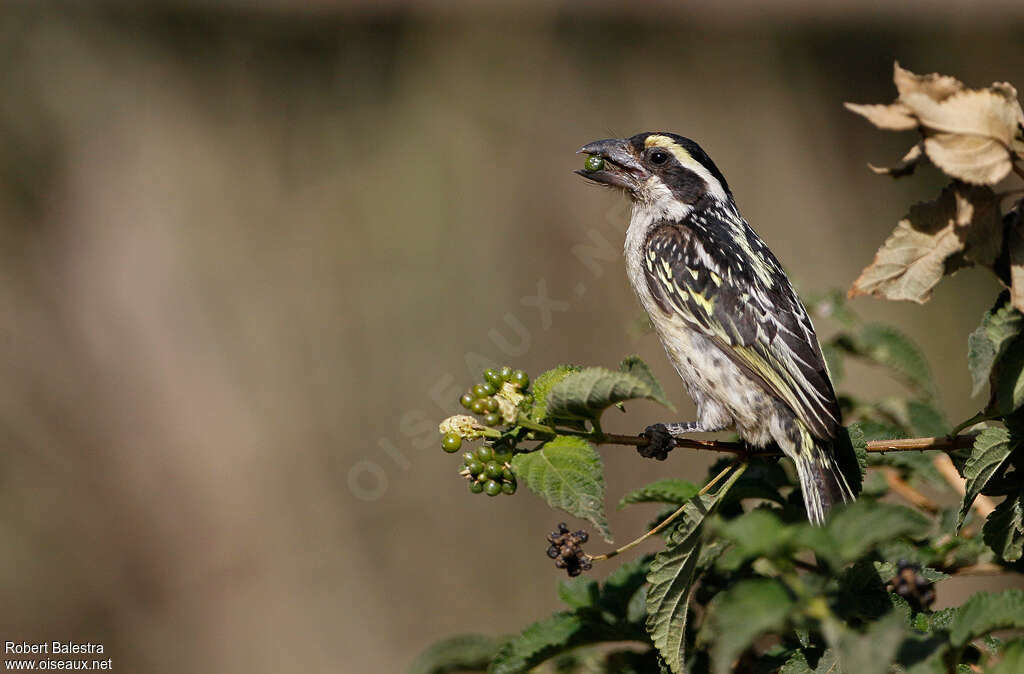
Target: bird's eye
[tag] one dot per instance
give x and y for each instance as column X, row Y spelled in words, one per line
column 659, row 157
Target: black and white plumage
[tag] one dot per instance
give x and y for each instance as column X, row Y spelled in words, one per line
column 727, row 315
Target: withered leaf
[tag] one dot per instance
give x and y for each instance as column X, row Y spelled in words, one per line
column 970, row 134
column 895, row 117
column 935, row 86
column 906, row 165
column 935, row 238
column 1015, row 244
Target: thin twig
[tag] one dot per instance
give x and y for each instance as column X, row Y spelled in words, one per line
column 875, row 446
column 901, row 487
column 983, row 505
column 671, row 518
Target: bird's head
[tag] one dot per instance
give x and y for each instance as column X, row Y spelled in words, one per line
column 656, row 168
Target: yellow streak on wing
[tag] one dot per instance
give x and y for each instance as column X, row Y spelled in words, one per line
column 706, row 304
column 715, row 278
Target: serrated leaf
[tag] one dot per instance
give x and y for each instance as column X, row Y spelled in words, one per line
column 586, row 394
column 873, row 651
column 971, row 132
column 669, row 490
column 754, row 534
column 578, row 592
column 1011, row 659
column 935, row 86
column 1004, row 528
column 1008, row 380
column 619, row 590
column 671, row 577
column 547, row 638
column 828, row 663
column 859, row 528
column 890, row 348
column 894, row 117
column 987, row 612
column 542, row 386
column 999, row 327
column 567, row 473
column 922, row 247
column 462, row 653
column 638, row 368
column 906, row 166
column 742, row 613
column 991, row 449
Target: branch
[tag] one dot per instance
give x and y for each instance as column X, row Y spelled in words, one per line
column 943, row 444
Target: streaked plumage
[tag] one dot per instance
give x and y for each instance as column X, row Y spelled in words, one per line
column 725, row 311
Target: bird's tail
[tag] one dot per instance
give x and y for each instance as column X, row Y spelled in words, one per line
column 821, row 477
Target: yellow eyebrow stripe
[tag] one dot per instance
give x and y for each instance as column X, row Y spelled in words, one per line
column 684, row 157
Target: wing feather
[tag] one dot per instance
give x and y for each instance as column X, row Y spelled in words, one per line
column 736, row 293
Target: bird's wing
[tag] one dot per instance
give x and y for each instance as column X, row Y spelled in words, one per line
column 734, row 291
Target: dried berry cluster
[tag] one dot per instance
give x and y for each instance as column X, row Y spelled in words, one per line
column 912, row 586
column 567, row 550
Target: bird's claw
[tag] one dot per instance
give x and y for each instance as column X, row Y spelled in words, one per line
column 659, row 442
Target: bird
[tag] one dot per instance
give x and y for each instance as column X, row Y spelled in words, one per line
column 725, row 312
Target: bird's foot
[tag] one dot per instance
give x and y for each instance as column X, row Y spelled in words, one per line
column 659, row 442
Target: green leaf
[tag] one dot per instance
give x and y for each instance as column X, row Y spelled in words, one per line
column 989, row 341
column 671, row 577
column 757, row 533
column 873, row 651
column 1004, row 528
column 669, row 490
column 828, row 663
column 462, row 653
column 542, row 387
column 992, row 448
column 619, row 591
column 1011, row 659
column 987, row 612
column 1008, row 380
column 859, row 528
column 547, row 638
column 586, row 394
column 567, row 473
column 635, row 366
column 578, row 592
column 739, row 615
column 888, row 347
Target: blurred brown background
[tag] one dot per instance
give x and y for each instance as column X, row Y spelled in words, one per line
column 251, row 252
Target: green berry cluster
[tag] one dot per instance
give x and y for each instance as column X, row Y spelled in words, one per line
column 488, row 471
column 480, row 399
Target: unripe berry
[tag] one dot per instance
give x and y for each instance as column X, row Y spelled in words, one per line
column 508, row 487
column 493, row 470
column 485, row 453
column 493, row 377
column 475, row 467
column 480, row 391
column 506, row 373
column 492, row 488
column 520, row 379
column 491, row 404
column 467, row 400
column 479, row 406
column 475, row 487
column 451, row 443
column 492, row 419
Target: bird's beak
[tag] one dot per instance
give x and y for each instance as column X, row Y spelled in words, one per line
column 621, row 169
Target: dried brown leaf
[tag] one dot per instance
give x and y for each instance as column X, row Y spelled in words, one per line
column 1015, row 244
column 935, row 238
column 935, row 86
column 970, row 134
column 906, row 165
column 895, row 117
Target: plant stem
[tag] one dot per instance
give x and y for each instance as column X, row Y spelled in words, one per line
column 679, row 511
column 875, row 446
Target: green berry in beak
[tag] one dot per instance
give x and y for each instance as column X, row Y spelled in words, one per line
column 593, row 163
